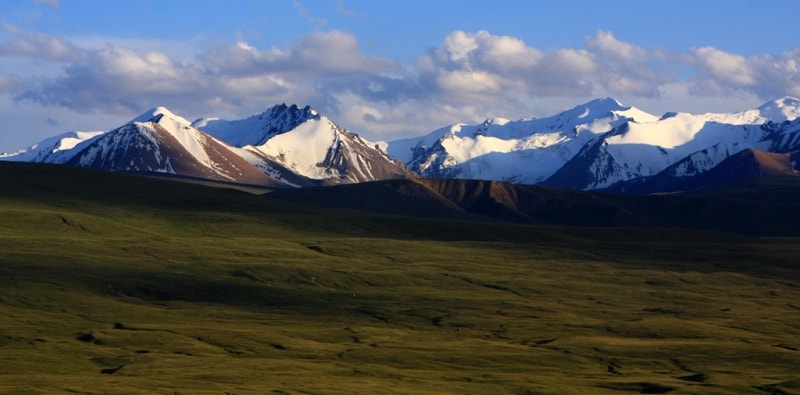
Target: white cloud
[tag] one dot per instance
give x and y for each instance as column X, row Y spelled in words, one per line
column 457, row 46
column 767, row 76
column 625, row 69
column 319, row 53
column 38, row 46
column 606, row 43
column 723, row 66
column 115, row 78
column 467, row 77
column 504, row 65
column 465, row 81
column 403, row 119
column 255, row 85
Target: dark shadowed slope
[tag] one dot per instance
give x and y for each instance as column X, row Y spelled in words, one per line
column 764, row 206
column 760, row 206
column 748, row 163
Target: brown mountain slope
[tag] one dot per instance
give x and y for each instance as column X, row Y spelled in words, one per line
column 745, row 164
column 147, row 147
column 765, row 206
column 472, row 199
column 773, row 164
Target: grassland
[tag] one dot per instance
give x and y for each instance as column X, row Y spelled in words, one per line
column 120, row 284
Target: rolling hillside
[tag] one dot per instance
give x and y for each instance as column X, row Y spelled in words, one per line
column 114, row 283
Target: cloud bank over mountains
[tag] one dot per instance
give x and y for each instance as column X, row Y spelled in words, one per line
column 467, row 77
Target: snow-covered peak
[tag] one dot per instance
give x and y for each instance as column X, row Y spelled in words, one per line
column 574, row 125
column 291, row 112
column 603, row 105
column 257, row 129
column 610, row 108
column 596, row 116
column 159, row 115
column 779, row 110
column 786, row 108
column 52, row 150
column 159, row 119
column 594, row 109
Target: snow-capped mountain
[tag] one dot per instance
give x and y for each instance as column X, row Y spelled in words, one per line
column 56, row 149
column 744, row 164
column 599, row 144
column 159, row 141
column 257, row 129
column 307, row 144
column 284, row 146
column 527, row 151
column 696, row 142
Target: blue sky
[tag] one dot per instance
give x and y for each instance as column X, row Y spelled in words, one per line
column 385, row 69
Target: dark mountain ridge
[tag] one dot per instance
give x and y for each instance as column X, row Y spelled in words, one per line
column 738, row 207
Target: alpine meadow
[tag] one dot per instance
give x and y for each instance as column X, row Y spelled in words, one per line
column 117, row 283
column 361, row 197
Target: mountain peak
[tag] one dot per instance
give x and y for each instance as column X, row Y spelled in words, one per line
column 156, row 114
column 257, row 129
column 605, row 103
column 786, row 108
column 293, row 112
column 600, row 107
column 603, row 108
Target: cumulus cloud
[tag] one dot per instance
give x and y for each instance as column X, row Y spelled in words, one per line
column 39, row 46
column 767, row 76
column 120, row 79
column 468, row 63
column 729, row 69
column 606, row 43
column 322, row 53
column 113, row 79
column 467, row 77
column 623, row 68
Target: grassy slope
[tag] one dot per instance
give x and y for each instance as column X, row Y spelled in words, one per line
column 200, row 290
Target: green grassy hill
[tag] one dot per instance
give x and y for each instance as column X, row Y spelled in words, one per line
column 111, row 283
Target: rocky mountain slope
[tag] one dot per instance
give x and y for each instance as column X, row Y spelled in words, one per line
column 308, row 144
column 283, row 147
column 159, row 141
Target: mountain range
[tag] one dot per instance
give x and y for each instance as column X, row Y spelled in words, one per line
column 604, row 145
column 599, row 145
column 286, row 146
